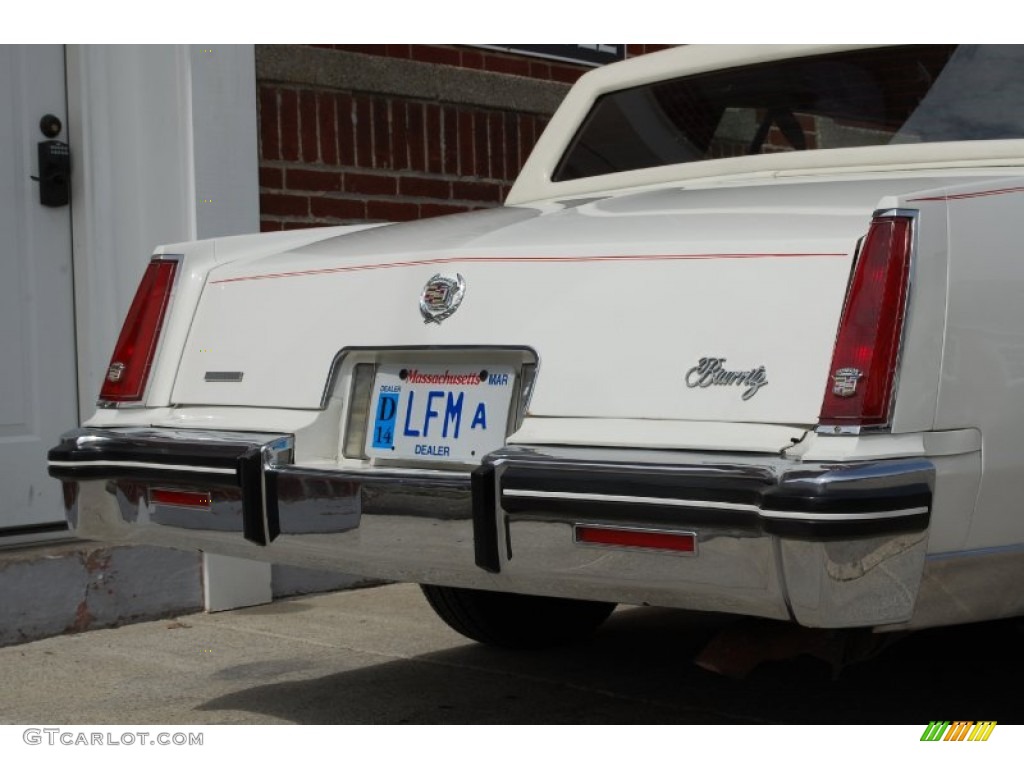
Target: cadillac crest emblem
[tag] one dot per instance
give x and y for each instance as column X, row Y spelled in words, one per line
column 441, row 296
column 845, row 382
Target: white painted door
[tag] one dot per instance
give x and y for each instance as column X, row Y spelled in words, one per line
column 38, row 390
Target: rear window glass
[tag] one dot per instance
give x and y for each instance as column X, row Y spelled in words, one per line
column 899, row 95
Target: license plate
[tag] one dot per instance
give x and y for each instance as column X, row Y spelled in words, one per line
column 439, row 413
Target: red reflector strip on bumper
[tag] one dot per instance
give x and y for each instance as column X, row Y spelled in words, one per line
column 179, row 498
column 636, row 538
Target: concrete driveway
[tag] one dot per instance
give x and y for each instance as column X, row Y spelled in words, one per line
column 380, row 656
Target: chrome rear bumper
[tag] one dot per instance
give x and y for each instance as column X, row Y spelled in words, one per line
column 828, row 545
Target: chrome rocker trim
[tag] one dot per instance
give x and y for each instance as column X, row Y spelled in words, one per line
column 836, row 544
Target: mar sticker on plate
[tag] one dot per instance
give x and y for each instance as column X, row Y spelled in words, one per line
column 439, row 413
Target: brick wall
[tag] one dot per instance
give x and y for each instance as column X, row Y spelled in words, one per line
column 339, row 146
column 329, row 158
column 477, row 58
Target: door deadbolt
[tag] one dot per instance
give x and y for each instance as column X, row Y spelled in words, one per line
column 50, row 125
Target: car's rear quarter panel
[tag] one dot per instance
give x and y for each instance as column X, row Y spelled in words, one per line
column 982, row 382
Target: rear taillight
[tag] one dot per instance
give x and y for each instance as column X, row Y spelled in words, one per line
column 125, row 380
column 862, row 378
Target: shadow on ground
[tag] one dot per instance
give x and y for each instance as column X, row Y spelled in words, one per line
column 639, row 669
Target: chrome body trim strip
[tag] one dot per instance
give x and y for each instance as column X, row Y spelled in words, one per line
column 514, row 493
column 224, row 376
column 847, row 516
column 654, row 501
column 145, row 465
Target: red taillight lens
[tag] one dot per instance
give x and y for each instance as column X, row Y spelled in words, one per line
column 863, row 372
column 126, row 377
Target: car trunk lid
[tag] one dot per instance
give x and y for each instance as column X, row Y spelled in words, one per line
column 714, row 304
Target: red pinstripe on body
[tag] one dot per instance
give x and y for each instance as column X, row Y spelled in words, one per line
column 967, row 195
column 523, row 259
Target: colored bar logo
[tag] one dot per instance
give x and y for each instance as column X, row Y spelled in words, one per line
column 960, row 730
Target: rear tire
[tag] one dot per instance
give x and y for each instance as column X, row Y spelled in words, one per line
column 516, row 621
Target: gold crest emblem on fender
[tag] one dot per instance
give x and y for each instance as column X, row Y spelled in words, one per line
column 441, row 296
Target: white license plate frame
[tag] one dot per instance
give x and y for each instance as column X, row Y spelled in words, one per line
column 447, row 413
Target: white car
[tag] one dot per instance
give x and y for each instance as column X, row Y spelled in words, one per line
column 747, row 336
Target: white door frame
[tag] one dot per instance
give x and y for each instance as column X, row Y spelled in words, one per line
column 155, row 131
